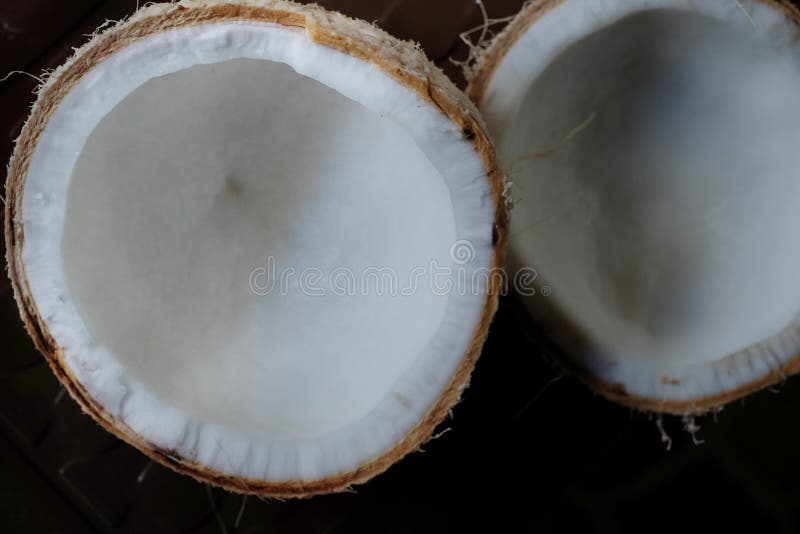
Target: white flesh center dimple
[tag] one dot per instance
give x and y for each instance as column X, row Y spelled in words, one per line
column 667, row 224
column 200, row 176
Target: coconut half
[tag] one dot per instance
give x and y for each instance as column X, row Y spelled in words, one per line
column 216, row 216
column 653, row 148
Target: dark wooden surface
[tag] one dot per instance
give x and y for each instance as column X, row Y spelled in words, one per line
column 528, row 450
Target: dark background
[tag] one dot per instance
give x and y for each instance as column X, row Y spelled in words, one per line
column 529, row 449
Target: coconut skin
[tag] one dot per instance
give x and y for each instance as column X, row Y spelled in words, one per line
column 479, row 78
column 402, row 61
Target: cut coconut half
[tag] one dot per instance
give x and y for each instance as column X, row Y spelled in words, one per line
column 653, row 148
column 220, row 223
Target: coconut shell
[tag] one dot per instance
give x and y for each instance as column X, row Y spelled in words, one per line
column 402, row 61
column 480, row 76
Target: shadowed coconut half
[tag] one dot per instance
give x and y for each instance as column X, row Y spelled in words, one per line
column 219, row 219
column 653, row 145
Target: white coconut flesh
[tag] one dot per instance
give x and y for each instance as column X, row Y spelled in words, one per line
column 177, row 168
column 653, row 146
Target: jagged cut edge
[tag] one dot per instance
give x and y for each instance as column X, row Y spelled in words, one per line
column 484, row 67
column 401, row 60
